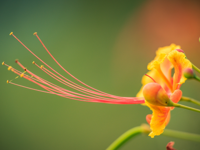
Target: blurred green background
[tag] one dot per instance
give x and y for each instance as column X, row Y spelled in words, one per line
column 106, row 44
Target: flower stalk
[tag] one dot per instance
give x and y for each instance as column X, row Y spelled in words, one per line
column 195, row 68
column 185, row 107
column 188, row 99
column 146, row 130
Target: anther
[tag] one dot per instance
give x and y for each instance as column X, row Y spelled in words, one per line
column 3, row 63
column 21, row 75
column 10, row 67
column 16, row 60
column 7, row 81
column 25, row 69
column 33, row 62
column 34, row 33
column 41, row 66
column 11, row 33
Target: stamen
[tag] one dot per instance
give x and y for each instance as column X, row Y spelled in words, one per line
column 3, row 63
column 7, row 81
column 63, row 67
column 150, row 77
column 90, row 95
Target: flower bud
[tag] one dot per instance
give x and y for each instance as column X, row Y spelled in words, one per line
column 156, row 95
column 188, row 73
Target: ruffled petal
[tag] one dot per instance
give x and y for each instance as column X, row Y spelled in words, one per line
column 160, row 118
column 161, row 54
column 179, row 61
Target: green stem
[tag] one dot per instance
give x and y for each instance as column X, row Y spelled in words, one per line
column 125, row 137
column 186, row 107
column 182, row 135
column 187, row 99
column 146, row 129
column 195, row 68
column 197, row 78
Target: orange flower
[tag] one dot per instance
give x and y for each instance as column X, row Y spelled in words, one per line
column 166, row 88
column 155, row 95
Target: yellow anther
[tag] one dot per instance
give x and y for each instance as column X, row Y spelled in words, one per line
column 11, row 33
column 7, row 81
column 41, row 66
column 34, row 33
column 21, row 75
column 3, row 63
column 33, row 62
column 10, row 67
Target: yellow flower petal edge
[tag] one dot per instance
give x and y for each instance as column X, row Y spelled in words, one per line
column 179, row 59
column 159, row 120
column 161, row 53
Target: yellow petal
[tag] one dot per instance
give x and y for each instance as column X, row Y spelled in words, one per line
column 159, row 120
column 161, row 54
column 178, row 59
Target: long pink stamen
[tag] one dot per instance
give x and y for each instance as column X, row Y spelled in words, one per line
column 62, row 66
column 94, row 96
column 89, row 95
column 51, row 67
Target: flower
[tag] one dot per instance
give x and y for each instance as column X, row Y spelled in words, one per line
column 167, row 86
column 158, row 91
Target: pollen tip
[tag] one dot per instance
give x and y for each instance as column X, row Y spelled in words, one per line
column 11, row 33
column 7, row 81
column 3, row 63
column 16, row 60
column 34, row 33
column 41, row 66
column 25, row 69
column 21, row 75
column 9, row 68
column 33, row 62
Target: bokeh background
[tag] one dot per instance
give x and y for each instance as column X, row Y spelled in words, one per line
column 106, row 44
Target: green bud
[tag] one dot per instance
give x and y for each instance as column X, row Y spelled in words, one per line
column 189, row 73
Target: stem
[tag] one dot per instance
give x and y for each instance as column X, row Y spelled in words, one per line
column 146, row 129
column 187, row 99
column 182, row 135
column 195, row 68
column 125, row 137
column 186, row 107
column 197, row 78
